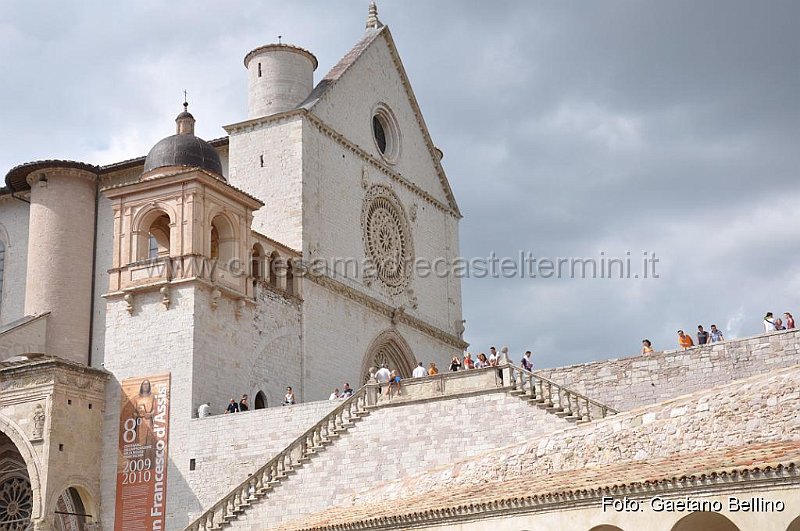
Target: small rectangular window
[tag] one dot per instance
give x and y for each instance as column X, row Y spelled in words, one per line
column 259, row 69
column 192, row 464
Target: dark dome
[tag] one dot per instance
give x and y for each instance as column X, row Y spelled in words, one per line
column 184, row 150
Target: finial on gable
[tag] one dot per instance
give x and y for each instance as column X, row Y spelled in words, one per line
column 372, row 18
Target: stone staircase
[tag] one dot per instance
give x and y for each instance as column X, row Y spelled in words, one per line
column 554, row 398
column 421, row 412
column 259, row 484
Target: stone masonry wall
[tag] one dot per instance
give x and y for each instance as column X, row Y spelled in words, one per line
column 14, row 235
column 627, row 383
column 757, row 410
column 395, row 442
column 226, row 448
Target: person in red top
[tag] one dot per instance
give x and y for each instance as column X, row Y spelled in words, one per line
column 684, row 340
column 789, row 321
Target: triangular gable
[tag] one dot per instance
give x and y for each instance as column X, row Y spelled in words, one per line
column 325, row 89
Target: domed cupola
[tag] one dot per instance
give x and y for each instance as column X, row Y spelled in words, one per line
column 184, row 149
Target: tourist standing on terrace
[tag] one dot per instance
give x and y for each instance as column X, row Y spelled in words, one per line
column 702, row 335
column 684, row 340
column 789, row 320
column 419, row 371
column 289, row 398
column 769, row 322
column 527, row 363
column 454, row 364
column 647, row 347
column 716, row 335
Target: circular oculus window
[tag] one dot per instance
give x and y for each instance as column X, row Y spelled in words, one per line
column 386, row 133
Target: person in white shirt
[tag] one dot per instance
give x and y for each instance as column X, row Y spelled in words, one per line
column 382, row 376
column 204, row 410
column 494, row 359
column 769, row 323
column 334, row 394
column 419, row 372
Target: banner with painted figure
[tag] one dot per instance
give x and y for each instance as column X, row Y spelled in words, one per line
column 143, row 447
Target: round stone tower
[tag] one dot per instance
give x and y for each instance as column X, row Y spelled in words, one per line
column 280, row 77
column 60, row 254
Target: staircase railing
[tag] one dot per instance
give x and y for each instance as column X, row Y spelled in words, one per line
column 278, row 468
column 555, row 397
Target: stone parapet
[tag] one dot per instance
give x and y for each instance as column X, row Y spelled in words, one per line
column 626, row 383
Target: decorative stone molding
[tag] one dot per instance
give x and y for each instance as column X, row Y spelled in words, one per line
column 460, row 328
column 38, row 417
column 387, row 310
column 128, row 298
column 412, row 298
column 215, row 296
column 364, row 178
column 165, row 300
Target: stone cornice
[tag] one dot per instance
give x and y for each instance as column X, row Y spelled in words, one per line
column 379, row 164
column 180, row 175
column 714, row 483
column 49, row 371
column 386, row 310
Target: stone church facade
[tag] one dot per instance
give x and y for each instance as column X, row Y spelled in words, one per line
column 281, row 255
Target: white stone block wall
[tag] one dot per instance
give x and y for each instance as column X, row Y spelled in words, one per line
column 627, row 383
column 332, row 221
column 154, row 340
column 743, row 413
column 226, row 448
column 278, row 182
column 258, row 351
column 333, row 356
column 397, row 442
column 14, row 234
column 104, row 251
column 349, row 105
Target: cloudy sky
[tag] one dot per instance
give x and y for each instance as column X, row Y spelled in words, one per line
column 569, row 129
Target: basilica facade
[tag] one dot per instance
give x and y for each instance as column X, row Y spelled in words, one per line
column 136, row 295
column 279, row 255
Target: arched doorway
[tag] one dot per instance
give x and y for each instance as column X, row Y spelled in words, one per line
column 16, row 494
column 260, row 401
column 391, row 349
column 605, row 527
column 72, row 513
column 704, row 521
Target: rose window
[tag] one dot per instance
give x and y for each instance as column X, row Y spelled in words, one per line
column 387, row 238
column 16, row 504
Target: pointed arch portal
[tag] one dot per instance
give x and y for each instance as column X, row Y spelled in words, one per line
column 390, row 348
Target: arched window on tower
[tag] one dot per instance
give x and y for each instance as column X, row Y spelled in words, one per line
column 274, row 260
column 290, row 279
column 257, row 262
column 155, row 236
column 223, row 240
column 214, row 242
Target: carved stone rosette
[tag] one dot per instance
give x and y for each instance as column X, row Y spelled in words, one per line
column 387, row 238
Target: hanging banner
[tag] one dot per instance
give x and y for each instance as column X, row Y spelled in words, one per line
column 143, row 447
